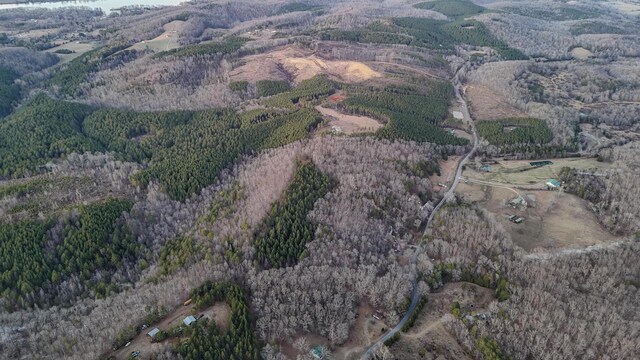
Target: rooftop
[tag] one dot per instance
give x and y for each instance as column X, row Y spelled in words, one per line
column 553, row 182
column 153, row 332
column 189, row 320
column 317, row 351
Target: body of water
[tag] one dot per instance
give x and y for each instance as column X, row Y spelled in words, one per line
column 105, row 5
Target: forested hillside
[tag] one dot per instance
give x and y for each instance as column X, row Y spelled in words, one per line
column 403, row 108
column 432, row 34
column 9, row 92
column 42, row 130
column 296, row 175
column 37, row 257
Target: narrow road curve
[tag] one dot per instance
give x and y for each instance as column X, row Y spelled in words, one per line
column 415, row 294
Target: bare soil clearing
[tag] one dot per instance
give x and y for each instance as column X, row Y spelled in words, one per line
column 581, row 53
column 485, row 104
column 350, row 124
column 447, row 171
column 295, row 65
column 429, row 333
column 220, row 313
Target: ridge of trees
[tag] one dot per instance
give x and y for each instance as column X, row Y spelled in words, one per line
column 298, row 6
column 557, row 13
column 451, row 8
column 228, row 46
column 428, row 33
column 281, row 238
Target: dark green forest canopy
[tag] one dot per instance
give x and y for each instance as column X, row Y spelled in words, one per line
column 515, row 131
column 282, row 237
column 411, row 112
column 226, row 47
column 40, row 131
column 185, row 150
column 9, row 92
column 307, row 92
column 271, row 87
column 30, row 260
column 207, row 341
column 452, row 8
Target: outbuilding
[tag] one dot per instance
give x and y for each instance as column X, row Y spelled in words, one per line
column 153, row 332
column 189, row 320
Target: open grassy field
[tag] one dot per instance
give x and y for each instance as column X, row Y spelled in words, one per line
column 164, row 42
column 520, row 173
column 77, row 47
column 553, row 219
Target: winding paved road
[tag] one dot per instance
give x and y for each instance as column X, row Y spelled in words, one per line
column 415, row 294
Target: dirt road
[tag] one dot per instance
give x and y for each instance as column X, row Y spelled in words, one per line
column 450, row 193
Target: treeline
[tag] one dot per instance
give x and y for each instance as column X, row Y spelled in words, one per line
column 554, row 13
column 595, row 27
column 515, row 131
column 207, row 341
column 298, row 6
column 9, row 91
column 451, row 8
column 229, row 46
column 428, row 33
column 281, row 238
column 411, row 113
column 37, row 256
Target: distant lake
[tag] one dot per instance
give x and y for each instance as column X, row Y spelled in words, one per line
column 105, row 5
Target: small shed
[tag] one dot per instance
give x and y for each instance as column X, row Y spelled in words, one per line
column 189, row 320
column 153, row 332
column 485, row 168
